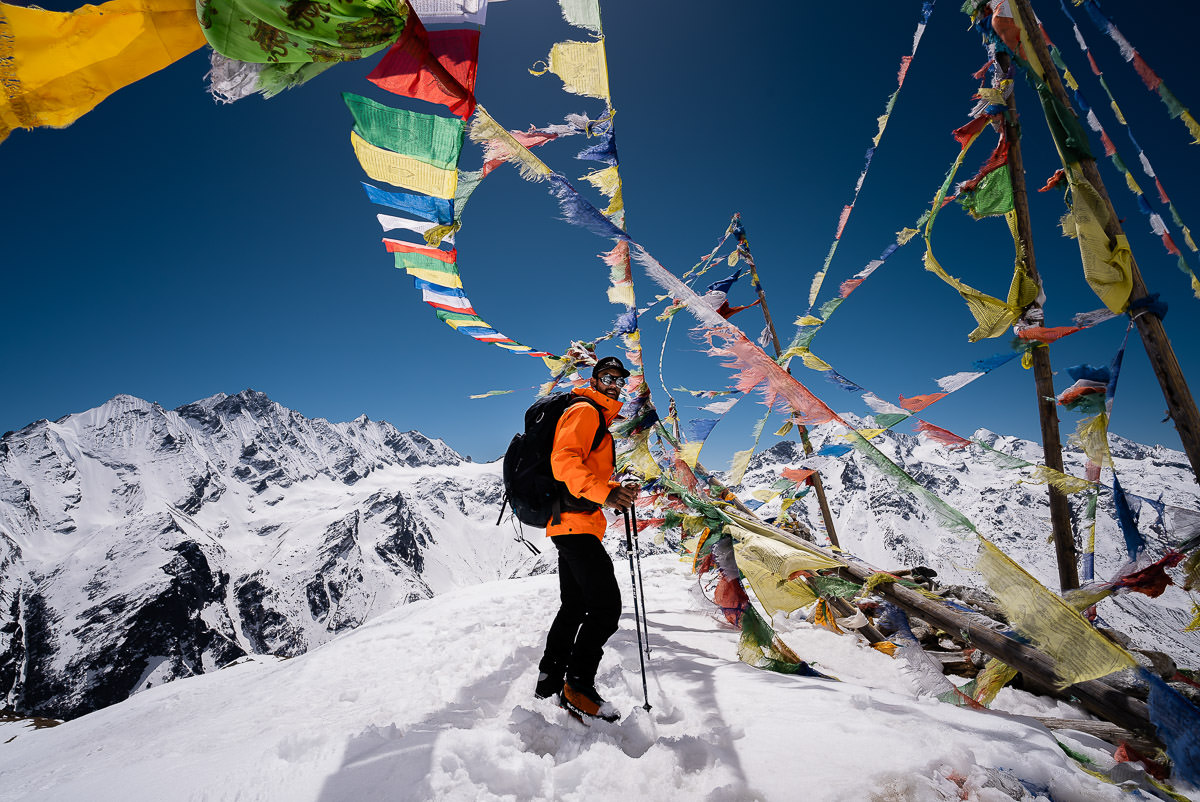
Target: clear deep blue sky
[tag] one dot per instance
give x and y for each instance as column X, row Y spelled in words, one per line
column 170, row 248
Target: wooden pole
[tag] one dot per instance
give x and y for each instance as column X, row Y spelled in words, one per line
column 1180, row 404
column 762, row 295
column 1043, row 376
column 826, row 515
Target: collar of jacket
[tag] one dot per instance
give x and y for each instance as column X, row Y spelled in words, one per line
column 611, row 407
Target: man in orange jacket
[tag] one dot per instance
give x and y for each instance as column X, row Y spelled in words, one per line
column 591, row 600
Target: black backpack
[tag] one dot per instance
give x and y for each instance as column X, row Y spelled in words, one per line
column 536, row 496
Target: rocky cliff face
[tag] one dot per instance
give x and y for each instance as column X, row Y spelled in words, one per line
column 139, row 544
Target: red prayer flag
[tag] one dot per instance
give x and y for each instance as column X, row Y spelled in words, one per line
column 396, row 246
column 919, row 402
column 436, row 66
column 798, row 475
column 1047, row 335
column 940, row 435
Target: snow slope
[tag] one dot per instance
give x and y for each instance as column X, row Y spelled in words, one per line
column 432, row 700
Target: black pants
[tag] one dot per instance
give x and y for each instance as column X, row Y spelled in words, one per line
column 590, row 610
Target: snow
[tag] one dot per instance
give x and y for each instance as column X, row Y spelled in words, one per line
column 433, row 700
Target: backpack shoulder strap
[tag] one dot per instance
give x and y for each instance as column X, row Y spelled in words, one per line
column 601, row 429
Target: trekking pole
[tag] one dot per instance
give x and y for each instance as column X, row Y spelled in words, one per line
column 636, row 614
column 637, row 556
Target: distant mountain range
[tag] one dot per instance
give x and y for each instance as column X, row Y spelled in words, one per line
column 139, row 544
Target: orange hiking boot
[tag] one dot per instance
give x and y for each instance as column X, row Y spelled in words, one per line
column 581, row 698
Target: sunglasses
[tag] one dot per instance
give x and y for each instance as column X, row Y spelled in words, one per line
column 609, row 379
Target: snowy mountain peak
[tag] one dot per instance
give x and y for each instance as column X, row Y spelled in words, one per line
column 139, row 544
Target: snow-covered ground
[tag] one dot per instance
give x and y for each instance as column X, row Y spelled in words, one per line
column 433, row 700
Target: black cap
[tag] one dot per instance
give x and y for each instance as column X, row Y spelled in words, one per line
column 609, row 363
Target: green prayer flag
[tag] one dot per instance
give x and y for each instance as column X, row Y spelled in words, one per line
column 426, row 137
column 297, row 39
column 993, row 195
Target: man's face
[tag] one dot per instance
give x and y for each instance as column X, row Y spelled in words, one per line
column 602, row 383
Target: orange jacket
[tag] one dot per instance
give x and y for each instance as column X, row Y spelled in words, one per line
column 586, row 473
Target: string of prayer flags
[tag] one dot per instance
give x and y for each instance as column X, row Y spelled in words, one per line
column 57, row 66
column 434, row 66
column 582, row 66
column 498, row 143
column 270, row 45
column 1175, row 109
column 844, row 217
column 435, row 273
column 452, row 12
column 992, row 315
column 1157, row 224
column 579, row 211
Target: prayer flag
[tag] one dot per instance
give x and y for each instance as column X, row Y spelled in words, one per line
column 404, row 171
column 429, row 138
column 57, row 66
column 434, row 66
column 437, row 210
column 581, row 66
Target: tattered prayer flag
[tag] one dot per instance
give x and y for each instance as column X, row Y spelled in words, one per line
column 737, row 468
column 434, row 66
column 436, row 210
column 698, row 429
column 689, row 453
column 1079, row 651
column 500, row 144
column 1047, row 335
column 582, row 66
column 919, row 402
column 940, row 435
column 404, row 171
column 491, row 393
column 57, row 66
column 582, row 14
column 429, row 138
column 1107, row 270
column 798, row 475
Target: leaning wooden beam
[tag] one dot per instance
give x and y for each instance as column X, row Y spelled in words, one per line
column 1103, row 730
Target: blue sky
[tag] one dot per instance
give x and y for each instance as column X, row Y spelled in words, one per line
column 171, row 248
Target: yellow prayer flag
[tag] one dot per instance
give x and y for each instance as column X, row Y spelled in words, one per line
column 1091, row 435
column 1108, row 271
column 737, row 468
column 617, row 204
column 1044, row 474
column 690, row 453
column 582, row 66
column 436, row 277
column 809, row 320
column 622, row 295
column 607, row 180
column 1079, row 651
column 57, row 66
column 404, row 171
column 905, row 234
column 455, row 324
